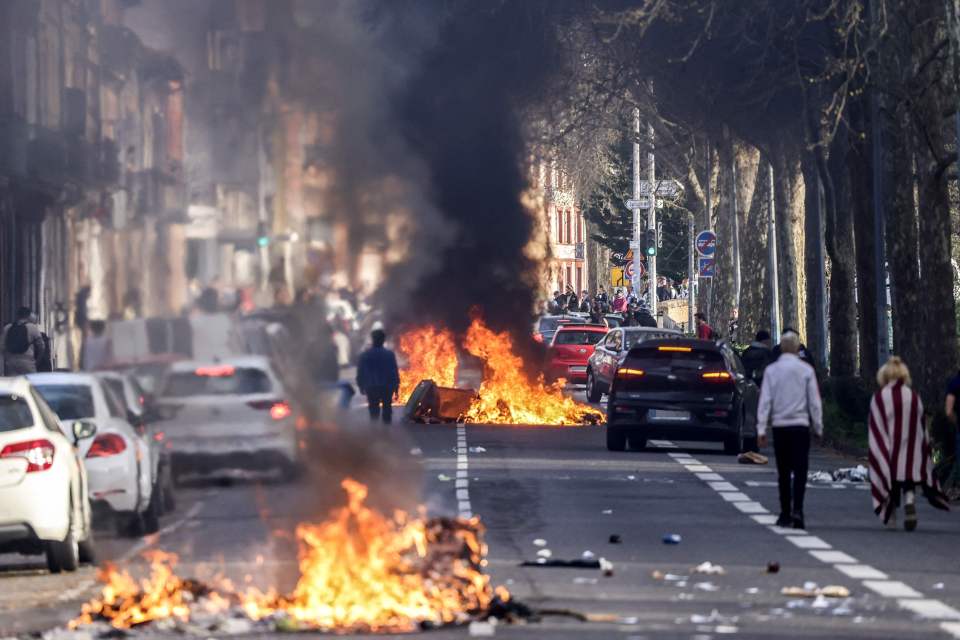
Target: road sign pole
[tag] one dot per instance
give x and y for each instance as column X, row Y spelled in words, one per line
column 652, row 221
column 691, row 273
column 637, row 232
column 772, row 262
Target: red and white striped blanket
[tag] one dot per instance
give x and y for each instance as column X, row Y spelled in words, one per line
column 899, row 449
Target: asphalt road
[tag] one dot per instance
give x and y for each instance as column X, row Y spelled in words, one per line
column 560, row 486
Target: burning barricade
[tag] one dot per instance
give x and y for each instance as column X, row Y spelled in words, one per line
column 360, row 571
column 506, row 395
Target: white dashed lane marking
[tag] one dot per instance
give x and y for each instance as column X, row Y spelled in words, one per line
column 464, row 507
column 877, row 581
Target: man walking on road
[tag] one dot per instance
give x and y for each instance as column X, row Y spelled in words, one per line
column 22, row 345
column 790, row 406
column 378, row 377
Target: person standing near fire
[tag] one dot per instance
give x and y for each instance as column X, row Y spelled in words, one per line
column 378, row 377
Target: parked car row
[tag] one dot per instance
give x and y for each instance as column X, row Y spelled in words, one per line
column 658, row 384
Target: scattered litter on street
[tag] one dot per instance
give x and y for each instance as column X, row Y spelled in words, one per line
column 477, row 450
column 773, row 567
column 587, row 555
column 938, row 586
column 752, row 457
column 811, row 590
column 607, row 512
column 606, row 566
column 582, row 580
column 561, row 564
column 752, row 590
column 539, row 542
column 858, row 473
column 706, row 586
column 444, row 477
column 544, row 553
column 416, row 451
column 482, row 629
column 710, row 569
column 672, row 538
column 714, row 618
column 631, row 477
column 615, row 538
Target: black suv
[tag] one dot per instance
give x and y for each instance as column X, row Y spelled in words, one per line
column 682, row 389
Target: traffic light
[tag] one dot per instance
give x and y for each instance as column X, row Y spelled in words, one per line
column 651, row 242
column 262, row 238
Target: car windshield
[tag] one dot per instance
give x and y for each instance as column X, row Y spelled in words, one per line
column 116, row 386
column 216, row 381
column 68, row 401
column 636, row 337
column 614, row 321
column 578, row 337
column 681, row 360
column 14, row 413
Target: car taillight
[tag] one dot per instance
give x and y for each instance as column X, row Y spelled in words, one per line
column 716, row 375
column 159, row 436
column 628, row 373
column 38, row 453
column 280, row 410
column 538, row 337
column 107, row 444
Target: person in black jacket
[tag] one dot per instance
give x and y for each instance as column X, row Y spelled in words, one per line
column 757, row 356
column 378, row 377
column 804, row 353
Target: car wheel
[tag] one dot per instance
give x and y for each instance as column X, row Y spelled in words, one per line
column 151, row 517
column 733, row 445
column 167, row 487
column 87, row 550
column 616, row 440
column 636, row 442
column 63, row 555
column 593, row 393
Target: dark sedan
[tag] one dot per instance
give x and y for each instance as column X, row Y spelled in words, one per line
column 683, row 390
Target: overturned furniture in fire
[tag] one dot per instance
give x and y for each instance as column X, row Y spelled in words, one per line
column 433, row 404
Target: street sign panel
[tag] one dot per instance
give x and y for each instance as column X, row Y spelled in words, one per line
column 706, row 267
column 616, row 277
column 643, row 202
column 628, row 271
column 707, row 243
column 663, row 188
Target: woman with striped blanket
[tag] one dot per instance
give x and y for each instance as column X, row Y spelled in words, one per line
column 899, row 450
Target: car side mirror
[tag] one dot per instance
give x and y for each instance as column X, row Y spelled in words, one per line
column 82, row 429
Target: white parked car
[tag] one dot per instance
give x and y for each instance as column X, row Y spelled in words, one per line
column 44, row 506
column 117, row 459
column 228, row 415
column 137, row 403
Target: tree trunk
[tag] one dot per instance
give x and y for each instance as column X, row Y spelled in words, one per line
column 789, row 196
column 861, row 200
column 840, row 248
column 723, row 282
column 754, row 294
column 813, row 255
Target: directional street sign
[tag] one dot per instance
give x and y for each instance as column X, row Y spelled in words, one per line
column 663, row 188
column 707, row 243
column 643, row 202
column 707, row 267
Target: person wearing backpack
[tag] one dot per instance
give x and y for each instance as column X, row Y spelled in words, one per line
column 22, row 344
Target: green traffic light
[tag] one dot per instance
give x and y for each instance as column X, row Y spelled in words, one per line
column 263, row 241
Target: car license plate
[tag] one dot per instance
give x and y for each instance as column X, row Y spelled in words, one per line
column 660, row 414
column 578, row 369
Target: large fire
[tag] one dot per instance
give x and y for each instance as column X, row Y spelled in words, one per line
column 508, row 396
column 431, row 353
column 360, row 571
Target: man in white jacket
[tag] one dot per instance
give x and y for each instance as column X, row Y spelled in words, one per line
column 790, row 407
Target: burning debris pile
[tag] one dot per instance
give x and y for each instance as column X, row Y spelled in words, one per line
column 507, row 395
column 360, row 571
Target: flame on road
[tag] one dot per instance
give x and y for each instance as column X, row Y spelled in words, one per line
column 360, row 571
column 431, row 354
column 508, row 396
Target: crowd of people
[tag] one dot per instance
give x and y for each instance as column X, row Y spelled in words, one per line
column 632, row 310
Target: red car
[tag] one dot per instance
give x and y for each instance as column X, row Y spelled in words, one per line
column 571, row 347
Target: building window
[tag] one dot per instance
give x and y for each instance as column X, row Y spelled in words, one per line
column 579, row 279
column 579, row 219
column 559, row 227
column 569, row 230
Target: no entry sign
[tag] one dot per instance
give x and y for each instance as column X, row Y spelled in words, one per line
column 707, row 243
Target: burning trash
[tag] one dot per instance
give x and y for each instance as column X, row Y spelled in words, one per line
column 360, row 571
column 431, row 354
column 506, row 395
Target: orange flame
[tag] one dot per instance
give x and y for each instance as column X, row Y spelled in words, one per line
column 507, row 396
column 431, row 354
column 360, row 571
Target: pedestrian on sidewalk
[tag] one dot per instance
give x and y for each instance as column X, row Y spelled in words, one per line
column 97, row 349
column 378, row 377
column 704, row 330
column 790, row 407
column 756, row 357
column 899, row 449
column 22, row 344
